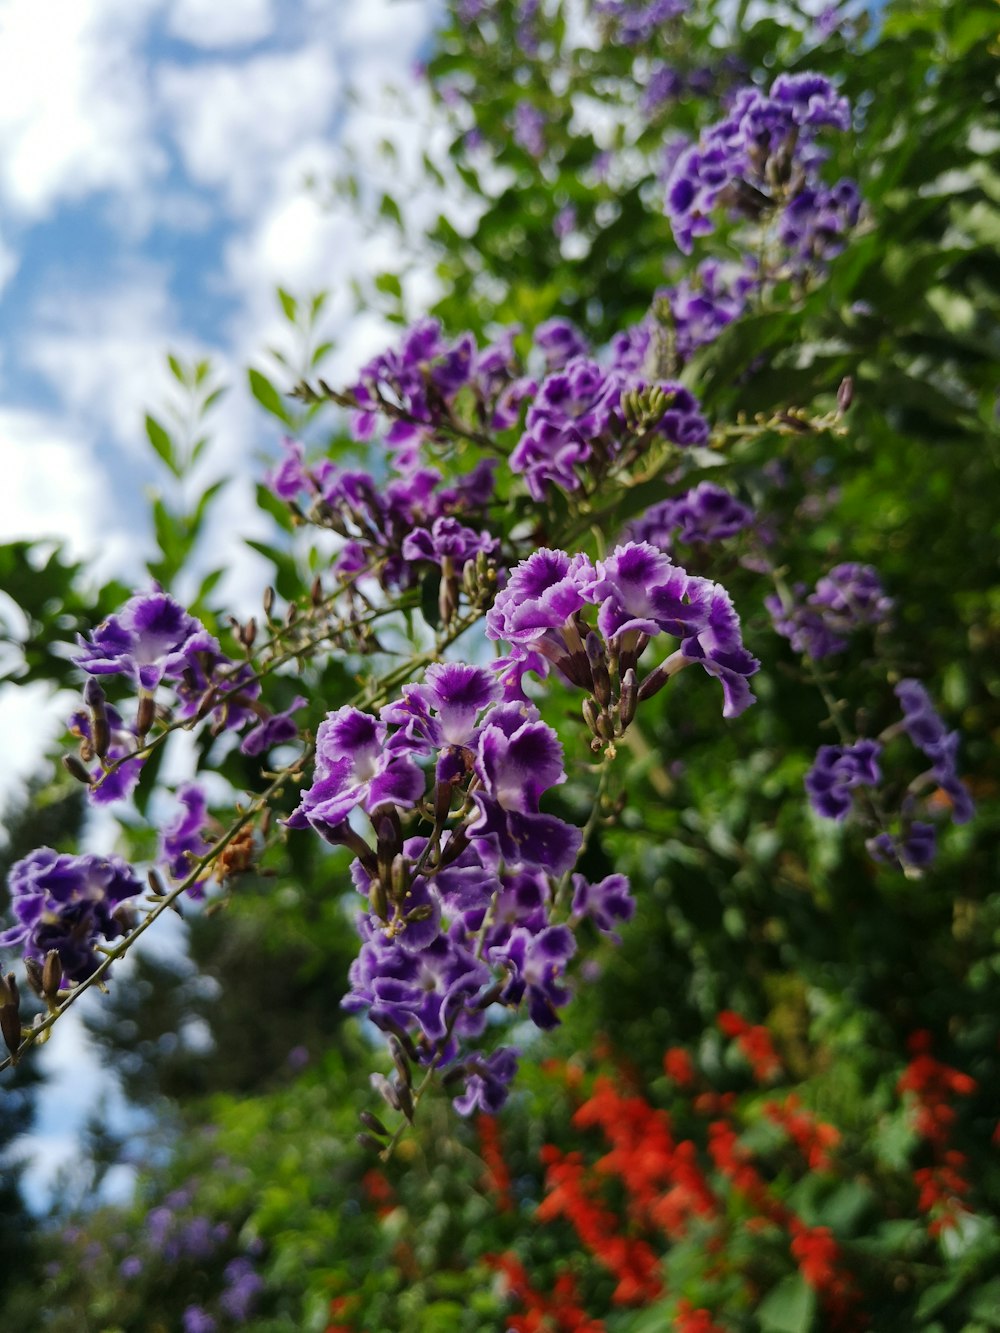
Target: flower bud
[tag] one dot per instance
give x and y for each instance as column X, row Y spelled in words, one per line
column 378, row 900
column 76, row 768
column 386, row 1090
column 598, row 660
column 33, row 971
column 405, row 1100
column 156, row 884
column 9, row 996
column 52, row 974
column 145, row 714
column 845, row 394
column 373, row 1123
column 10, row 1027
column 367, row 1142
column 590, row 714
column 629, row 700
column 399, row 1059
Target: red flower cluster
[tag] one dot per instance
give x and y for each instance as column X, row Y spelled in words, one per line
column 689, row 1320
column 942, row 1189
column 570, row 1194
column 813, row 1137
column 496, row 1177
column 754, row 1042
column 558, row 1313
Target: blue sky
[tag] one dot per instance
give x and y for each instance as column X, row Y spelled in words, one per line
column 153, row 159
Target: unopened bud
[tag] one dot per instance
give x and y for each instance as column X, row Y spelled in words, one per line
column 421, row 913
column 368, row 1143
column 598, row 660
column 249, row 632
column 845, row 394
column 605, row 727
column 405, row 1100
column 590, row 714
column 399, row 1059
column 447, row 593
column 490, row 996
column 156, row 884
column 629, row 700
column 373, row 1123
column 145, row 714
column 76, row 768
column 33, row 971
column 268, row 601
column 52, row 974
column 399, row 877
column 378, row 900
column 386, row 1090
column 10, row 1026
column 9, row 997
column 316, row 591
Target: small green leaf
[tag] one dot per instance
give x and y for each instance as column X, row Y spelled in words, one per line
column 268, row 396
column 288, row 304
column 162, row 444
column 789, row 1307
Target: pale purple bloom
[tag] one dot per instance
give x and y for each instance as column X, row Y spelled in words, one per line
column 846, row 599
column 447, row 540
column 537, row 965
column 837, row 771
column 706, row 513
column 198, row 1320
column 183, row 842
column 354, row 769
column 151, row 639
column 487, row 1082
column 121, row 781
column 719, row 648
column 928, row 733
column 243, row 1286
column 529, row 128
column 68, row 903
column 443, row 710
column 605, row 902
column 273, row 729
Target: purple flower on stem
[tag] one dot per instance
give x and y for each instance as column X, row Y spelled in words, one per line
column 928, row 733
column 443, row 710
column 273, row 729
column 354, row 768
column 151, row 639
column 183, row 842
column 537, row 964
column 487, row 1082
column 606, row 902
column 837, row 771
column 706, row 513
column 69, row 904
column 516, row 764
column 120, row 782
column 447, row 541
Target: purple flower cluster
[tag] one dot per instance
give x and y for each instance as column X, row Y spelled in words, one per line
column 529, row 128
column 837, row 771
column 760, row 158
column 706, row 513
column 634, row 22
column 153, row 641
column 846, row 599
column 639, row 593
column 466, row 917
column 684, row 317
column 183, row 841
column 70, row 904
column 577, row 423
column 928, row 733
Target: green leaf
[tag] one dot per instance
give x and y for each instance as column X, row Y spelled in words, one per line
column 288, row 304
column 789, row 1308
column 269, row 397
column 162, row 444
column 389, row 283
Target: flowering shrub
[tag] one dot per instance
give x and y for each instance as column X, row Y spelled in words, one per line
column 460, row 733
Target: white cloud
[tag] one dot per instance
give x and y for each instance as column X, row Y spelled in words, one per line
column 210, row 23
column 103, row 350
column 74, row 112
column 236, row 124
column 51, row 485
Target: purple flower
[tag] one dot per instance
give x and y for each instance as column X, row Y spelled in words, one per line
column 537, row 964
column 151, row 639
column 917, row 847
column 928, row 733
column 517, row 762
column 846, row 599
column 68, row 903
column 354, row 768
column 707, row 513
column 198, row 1320
column 606, row 902
column 447, row 541
column 529, row 128
column 121, row 781
column 719, row 649
column 443, row 710
column 635, row 21
column 291, row 477
column 758, row 158
column 273, row 729
column 130, row 1267
column 243, row 1286
column 426, row 988
column 183, row 842
column 535, row 611
column 487, row 1082
column 837, row 770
